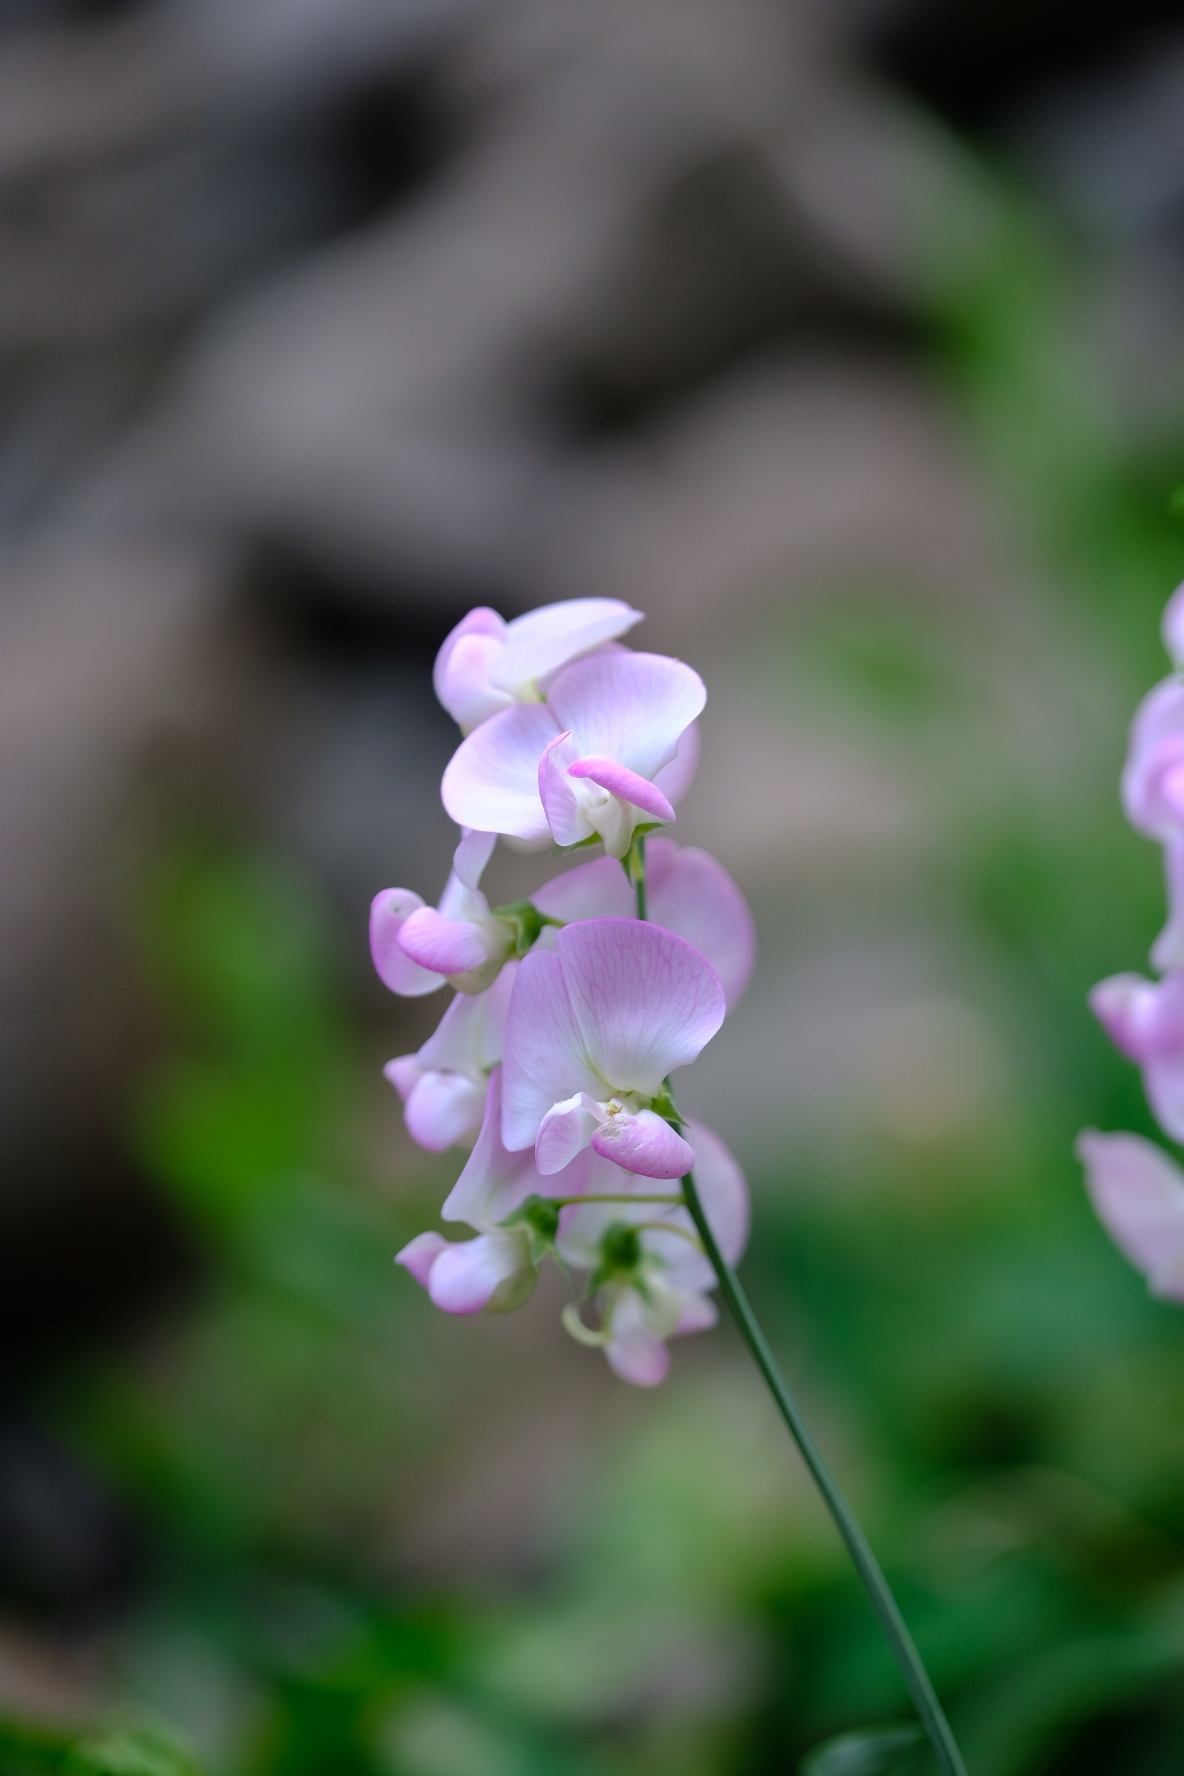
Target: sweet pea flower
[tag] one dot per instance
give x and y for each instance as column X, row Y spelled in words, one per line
column 486, row 664
column 417, row 948
column 687, row 892
column 650, row 1274
column 499, row 1268
column 1138, row 1195
column 1145, row 1019
column 444, row 1085
column 599, row 758
column 593, row 1028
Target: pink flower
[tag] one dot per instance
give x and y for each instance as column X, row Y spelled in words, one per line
column 498, row 1269
column 416, row 948
column 593, row 1028
column 688, row 892
column 487, row 664
column 1138, row 1194
column 443, row 1086
column 1145, row 1019
column 652, row 1277
column 595, row 761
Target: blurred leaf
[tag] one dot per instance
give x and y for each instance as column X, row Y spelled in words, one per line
column 876, row 1751
column 131, row 1751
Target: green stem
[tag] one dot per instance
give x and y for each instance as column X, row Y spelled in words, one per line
column 561, row 1202
column 908, row 1659
column 916, row 1677
column 638, row 866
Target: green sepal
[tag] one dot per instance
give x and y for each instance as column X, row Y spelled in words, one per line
column 620, row 1254
column 525, row 923
column 540, row 1217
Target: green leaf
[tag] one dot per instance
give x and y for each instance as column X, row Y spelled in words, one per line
column 131, row 1751
column 875, row 1751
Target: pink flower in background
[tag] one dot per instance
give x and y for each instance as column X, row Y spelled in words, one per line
column 652, row 1280
column 595, row 761
column 486, row 664
column 688, row 893
column 1172, row 627
column 1138, row 1194
column 1145, row 1019
column 593, row 1028
column 498, row 1269
column 443, row 1086
column 417, row 948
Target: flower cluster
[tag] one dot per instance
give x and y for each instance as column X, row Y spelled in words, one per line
column 572, row 1007
column 1137, row 1190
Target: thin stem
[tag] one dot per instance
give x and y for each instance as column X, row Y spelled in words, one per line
column 908, row 1659
column 867, row 1566
column 639, row 874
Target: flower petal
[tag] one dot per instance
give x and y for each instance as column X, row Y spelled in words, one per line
column 722, row 1190
column 629, row 707
column 1138, row 1194
column 565, row 1131
column 676, row 778
column 634, row 1352
column 444, row 1108
column 544, row 1059
column 420, row 1254
column 492, row 780
column 1152, row 790
column 1172, row 626
column 645, row 1144
column 643, row 1002
column 693, row 895
column 591, row 891
column 625, row 784
column 468, row 1038
column 461, row 673
column 495, row 1182
column 491, row 1271
column 560, row 800
column 543, row 640
column 389, row 911
column 1125, row 1006
column 449, row 946
column 471, row 856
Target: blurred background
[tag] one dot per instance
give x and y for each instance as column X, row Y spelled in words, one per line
column 846, row 339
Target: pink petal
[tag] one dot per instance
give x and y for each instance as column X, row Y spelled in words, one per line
column 389, row 911
column 565, row 1131
column 632, row 708
column 419, row 1256
column 676, row 778
column 625, row 784
column 1173, row 626
column 594, row 890
column 634, row 1352
column 444, row 1108
column 449, row 946
column 645, row 1144
column 699, row 1313
column 1151, row 788
column 472, row 1274
column 461, row 673
column 693, row 895
column 560, row 803
column 1125, row 1006
column 404, row 1074
column 642, row 1000
column 545, row 639
column 491, row 782
column 722, row 1190
column 471, row 856
column 1138, row 1194
column 468, row 1038
column 494, row 1182
column 544, row 1060
column 1168, row 949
